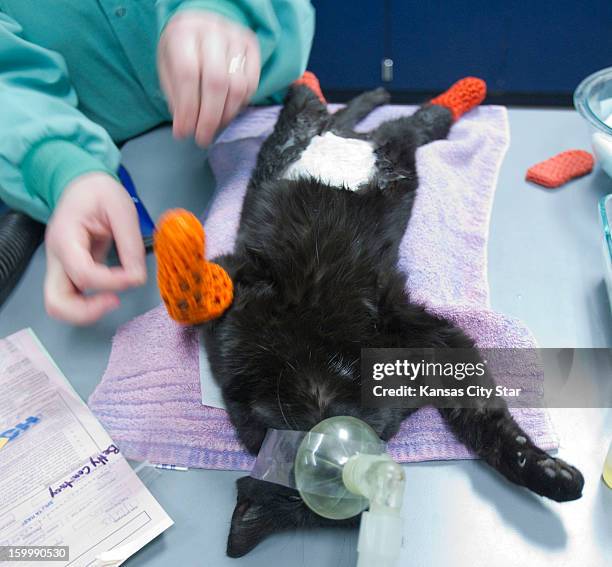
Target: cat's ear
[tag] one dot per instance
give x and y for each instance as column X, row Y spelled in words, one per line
column 264, row 508
column 249, row 527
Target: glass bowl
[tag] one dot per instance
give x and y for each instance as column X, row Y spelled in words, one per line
column 593, row 100
column 605, row 210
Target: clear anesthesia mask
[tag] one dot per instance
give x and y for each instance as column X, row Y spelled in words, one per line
column 340, row 468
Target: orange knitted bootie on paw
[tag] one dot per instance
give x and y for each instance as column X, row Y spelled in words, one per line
column 309, row 79
column 464, row 95
column 193, row 289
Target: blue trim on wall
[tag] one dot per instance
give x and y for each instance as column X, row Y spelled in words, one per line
column 545, row 47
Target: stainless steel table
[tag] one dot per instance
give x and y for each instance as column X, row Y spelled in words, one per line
column 545, row 267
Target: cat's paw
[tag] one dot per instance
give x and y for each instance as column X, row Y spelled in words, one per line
column 548, row 476
column 311, row 81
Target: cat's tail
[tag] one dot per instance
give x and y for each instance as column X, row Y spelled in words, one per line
column 465, row 94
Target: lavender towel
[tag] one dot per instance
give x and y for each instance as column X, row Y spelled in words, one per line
column 149, row 398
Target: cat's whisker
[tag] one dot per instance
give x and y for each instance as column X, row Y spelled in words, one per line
column 263, row 347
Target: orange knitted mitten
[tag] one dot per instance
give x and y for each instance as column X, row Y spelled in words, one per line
column 464, row 95
column 193, row 289
column 309, row 79
column 560, row 169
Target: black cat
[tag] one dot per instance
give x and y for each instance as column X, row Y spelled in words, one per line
column 316, row 279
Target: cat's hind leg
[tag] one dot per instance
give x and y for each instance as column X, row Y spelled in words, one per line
column 396, row 141
column 433, row 120
column 463, row 96
column 399, row 138
column 302, row 117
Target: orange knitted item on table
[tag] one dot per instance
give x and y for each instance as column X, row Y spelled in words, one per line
column 193, row 289
column 560, row 169
column 464, row 95
column 310, row 80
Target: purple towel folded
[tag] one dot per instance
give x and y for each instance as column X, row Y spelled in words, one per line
column 149, row 398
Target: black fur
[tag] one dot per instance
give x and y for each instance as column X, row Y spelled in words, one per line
column 315, row 276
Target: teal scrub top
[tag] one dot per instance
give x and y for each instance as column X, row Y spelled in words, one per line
column 79, row 76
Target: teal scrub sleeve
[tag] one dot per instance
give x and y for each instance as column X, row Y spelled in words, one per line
column 284, row 29
column 45, row 141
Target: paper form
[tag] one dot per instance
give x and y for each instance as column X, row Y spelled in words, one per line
column 62, row 479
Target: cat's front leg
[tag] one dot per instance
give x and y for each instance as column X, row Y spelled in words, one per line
column 494, row 435
column 487, row 428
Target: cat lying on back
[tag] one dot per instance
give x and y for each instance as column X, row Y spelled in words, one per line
column 315, row 280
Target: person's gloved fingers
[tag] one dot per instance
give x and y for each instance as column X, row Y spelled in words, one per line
column 214, row 87
column 64, row 302
column 183, row 69
column 252, row 65
column 123, row 220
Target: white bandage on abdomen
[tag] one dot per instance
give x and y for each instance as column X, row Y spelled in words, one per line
column 335, row 160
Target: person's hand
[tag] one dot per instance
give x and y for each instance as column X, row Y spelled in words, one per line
column 209, row 69
column 93, row 211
